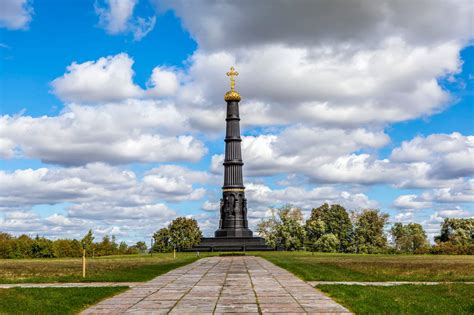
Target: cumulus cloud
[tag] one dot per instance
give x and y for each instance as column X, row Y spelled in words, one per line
column 15, row 14
column 451, row 155
column 316, row 154
column 99, row 183
column 107, row 79
column 116, row 17
column 460, row 192
column 96, row 195
column 163, row 82
column 134, row 131
column 309, row 23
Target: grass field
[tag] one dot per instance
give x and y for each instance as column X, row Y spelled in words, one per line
column 52, row 300
column 352, row 267
column 405, row 299
column 112, row 268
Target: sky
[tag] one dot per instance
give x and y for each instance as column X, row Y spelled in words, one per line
column 112, row 115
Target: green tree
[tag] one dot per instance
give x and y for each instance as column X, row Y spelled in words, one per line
column 327, row 243
column 6, row 250
column 285, row 230
column 88, row 242
column 457, row 231
column 123, row 248
column 333, row 220
column 268, row 230
column 184, row 233
column 181, row 233
column 409, row 238
column 291, row 231
column 140, row 246
column 162, row 241
column 369, row 233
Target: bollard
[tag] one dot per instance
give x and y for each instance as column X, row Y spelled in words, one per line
column 174, row 253
column 84, row 263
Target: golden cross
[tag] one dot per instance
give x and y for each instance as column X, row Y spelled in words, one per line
column 232, row 74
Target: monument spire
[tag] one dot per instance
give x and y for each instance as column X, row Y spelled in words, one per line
column 233, row 207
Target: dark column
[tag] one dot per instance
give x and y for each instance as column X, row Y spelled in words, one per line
column 233, row 208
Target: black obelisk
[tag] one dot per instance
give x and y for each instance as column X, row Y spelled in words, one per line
column 233, row 207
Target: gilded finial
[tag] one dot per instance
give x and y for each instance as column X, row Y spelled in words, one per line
column 232, row 95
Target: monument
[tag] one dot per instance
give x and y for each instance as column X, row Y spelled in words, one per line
column 233, row 233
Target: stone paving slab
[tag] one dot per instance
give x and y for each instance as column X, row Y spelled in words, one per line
column 222, row 285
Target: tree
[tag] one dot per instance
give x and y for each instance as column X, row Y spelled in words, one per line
column 327, row 243
column 291, row 231
column 122, row 248
column 409, row 238
column 333, row 220
column 181, row 233
column 162, row 241
column 140, row 246
column 457, row 231
column 88, row 241
column 268, row 230
column 369, row 233
column 184, row 233
column 284, row 230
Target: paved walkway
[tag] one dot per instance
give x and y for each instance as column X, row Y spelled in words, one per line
column 218, row 285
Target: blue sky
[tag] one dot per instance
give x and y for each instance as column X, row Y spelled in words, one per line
column 113, row 111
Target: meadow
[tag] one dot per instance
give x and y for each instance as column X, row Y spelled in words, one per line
column 127, row 268
column 404, row 299
column 52, row 300
column 359, row 267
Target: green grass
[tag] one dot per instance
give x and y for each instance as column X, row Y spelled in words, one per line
column 404, row 299
column 108, row 269
column 52, row 300
column 353, row 267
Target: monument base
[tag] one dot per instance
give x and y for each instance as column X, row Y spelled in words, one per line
column 243, row 232
column 231, row 244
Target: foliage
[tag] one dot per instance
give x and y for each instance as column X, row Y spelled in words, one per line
column 284, row 230
column 41, row 247
column 457, row 231
column 162, row 242
column 181, row 233
column 327, row 243
column 332, row 220
column 409, row 238
column 369, row 236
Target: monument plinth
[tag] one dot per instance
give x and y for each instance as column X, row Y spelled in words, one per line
column 233, row 233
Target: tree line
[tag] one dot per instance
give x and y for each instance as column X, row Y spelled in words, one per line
column 331, row 228
column 25, row 246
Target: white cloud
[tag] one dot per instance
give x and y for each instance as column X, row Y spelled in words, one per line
column 134, row 131
column 451, row 155
column 309, row 23
column 116, row 17
column 411, row 202
column 99, row 184
column 107, row 79
column 96, row 196
column 163, row 82
column 15, row 14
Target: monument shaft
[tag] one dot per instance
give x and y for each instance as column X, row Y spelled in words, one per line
column 233, row 207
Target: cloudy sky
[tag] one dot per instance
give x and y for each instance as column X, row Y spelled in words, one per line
column 112, row 111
